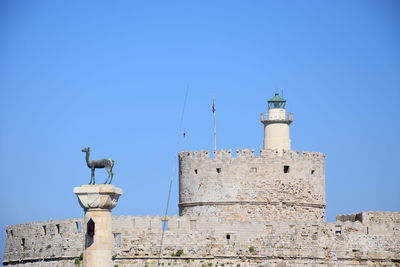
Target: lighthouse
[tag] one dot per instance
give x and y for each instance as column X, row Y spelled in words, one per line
column 276, row 124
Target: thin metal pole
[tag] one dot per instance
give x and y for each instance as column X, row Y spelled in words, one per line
column 174, row 171
column 215, row 124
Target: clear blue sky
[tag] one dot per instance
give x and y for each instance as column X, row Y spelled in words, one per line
column 113, row 75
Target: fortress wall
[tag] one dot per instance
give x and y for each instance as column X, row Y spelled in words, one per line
column 205, row 240
column 248, row 187
column 211, row 240
column 44, row 241
column 205, row 236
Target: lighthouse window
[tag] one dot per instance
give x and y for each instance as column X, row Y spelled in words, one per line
column 58, row 228
column 23, row 242
column 253, row 169
column 312, row 171
column 286, row 168
column 228, row 236
column 218, row 170
column 195, row 171
column 44, row 230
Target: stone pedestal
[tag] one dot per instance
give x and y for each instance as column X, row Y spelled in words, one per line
column 97, row 201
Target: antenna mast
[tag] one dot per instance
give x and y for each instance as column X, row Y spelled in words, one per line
column 215, row 124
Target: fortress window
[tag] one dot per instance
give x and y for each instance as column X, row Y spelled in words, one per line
column 228, row 236
column 268, row 229
column 58, row 228
column 11, row 233
column 118, row 239
column 192, row 225
column 23, row 242
column 7, row 233
column 218, row 170
column 195, row 171
column 286, row 168
column 254, row 170
column 44, row 230
column 338, row 229
column 312, row 171
column 78, row 226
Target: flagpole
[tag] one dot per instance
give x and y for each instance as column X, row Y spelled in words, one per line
column 215, row 125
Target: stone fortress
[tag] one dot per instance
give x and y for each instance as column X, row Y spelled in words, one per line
column 242, row 210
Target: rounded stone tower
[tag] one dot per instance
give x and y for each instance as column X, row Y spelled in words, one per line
column 278, row 185
column 276, row 124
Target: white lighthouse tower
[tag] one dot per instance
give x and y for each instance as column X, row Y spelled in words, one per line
column 276, row 124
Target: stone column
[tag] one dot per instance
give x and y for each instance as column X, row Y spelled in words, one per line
column 97, row 201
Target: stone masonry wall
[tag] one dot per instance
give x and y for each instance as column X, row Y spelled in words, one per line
column 50, row 242
column 209, row 241
column 272, row 186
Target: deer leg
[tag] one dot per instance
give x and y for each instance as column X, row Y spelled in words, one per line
column 93, row 178
column 107, row 176
column 112, row 175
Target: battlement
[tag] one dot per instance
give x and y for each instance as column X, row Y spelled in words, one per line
column 250, row 153
column 371, row 217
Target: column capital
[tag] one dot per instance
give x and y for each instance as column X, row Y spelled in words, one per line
column 98, row 197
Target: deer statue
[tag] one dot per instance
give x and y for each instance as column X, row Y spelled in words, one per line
column 107, row 164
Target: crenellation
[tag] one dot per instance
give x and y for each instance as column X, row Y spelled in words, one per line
column 201, row 154
column 371, row 217
column 245, row 153
column 290, row 153
column 223, row 154
column 317, row 155
column 250, row 153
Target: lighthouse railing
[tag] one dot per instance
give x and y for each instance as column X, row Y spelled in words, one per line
column 265, row 117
